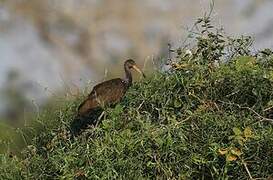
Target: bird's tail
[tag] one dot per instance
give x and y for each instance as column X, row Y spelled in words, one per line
column 82, row 122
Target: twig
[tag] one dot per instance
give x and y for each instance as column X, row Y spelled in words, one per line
column 169, row 51
column 140, row 105
column 267, row 109
column 247, row 170
column 248, row 108
column 232, row 93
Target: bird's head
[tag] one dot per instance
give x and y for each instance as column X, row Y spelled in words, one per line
column 131, row 64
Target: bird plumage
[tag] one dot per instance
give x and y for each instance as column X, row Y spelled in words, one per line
column 104, row 94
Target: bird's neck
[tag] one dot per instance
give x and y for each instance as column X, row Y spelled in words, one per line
column 128, row 76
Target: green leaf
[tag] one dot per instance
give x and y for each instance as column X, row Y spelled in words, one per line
column 245, row 62
column 236, row 151
column 237, row 131
column 248, row 132
column 177, row 103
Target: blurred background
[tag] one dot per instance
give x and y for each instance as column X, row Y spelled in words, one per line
column 57, row 47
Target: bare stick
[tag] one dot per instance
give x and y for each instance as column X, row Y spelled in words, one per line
column 247, row 170
column 99, row 119
column 248, row 108
column 169, row 51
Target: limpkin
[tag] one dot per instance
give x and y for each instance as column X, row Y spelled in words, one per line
column 107, row 93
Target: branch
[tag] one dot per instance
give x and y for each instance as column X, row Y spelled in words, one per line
column 250, row 109
column 247, row 170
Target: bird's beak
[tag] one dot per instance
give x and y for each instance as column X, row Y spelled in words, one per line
column 138, row 70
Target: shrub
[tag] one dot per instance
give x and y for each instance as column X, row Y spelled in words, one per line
column 205, row 118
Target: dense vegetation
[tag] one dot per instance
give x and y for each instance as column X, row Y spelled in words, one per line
column 207, row 117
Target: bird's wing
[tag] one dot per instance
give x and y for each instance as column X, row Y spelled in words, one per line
column 105, row 93
column 109, row 92
column 87, row 105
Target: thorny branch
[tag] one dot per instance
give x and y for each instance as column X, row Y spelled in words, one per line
column 250, row 109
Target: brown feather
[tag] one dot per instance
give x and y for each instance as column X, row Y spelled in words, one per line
column 104, row 94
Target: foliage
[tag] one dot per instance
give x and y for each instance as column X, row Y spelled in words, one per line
column 198, row 120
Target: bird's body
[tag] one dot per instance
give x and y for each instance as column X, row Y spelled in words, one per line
column 109, row 92
column 98, row 97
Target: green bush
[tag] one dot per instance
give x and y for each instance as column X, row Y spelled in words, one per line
column 198, row 120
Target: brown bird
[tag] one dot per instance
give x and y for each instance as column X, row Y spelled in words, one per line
column 109, row 92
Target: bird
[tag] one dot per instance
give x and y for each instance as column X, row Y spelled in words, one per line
column 107, row 93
